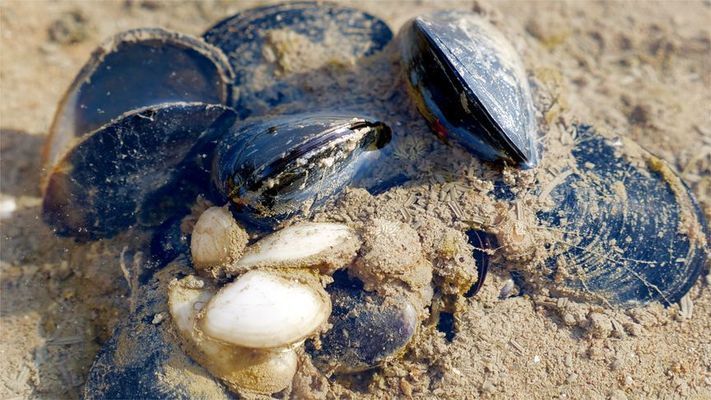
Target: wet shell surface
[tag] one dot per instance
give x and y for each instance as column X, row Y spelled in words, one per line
column 633, row 231
column 325, row 246
column 273, row 168
column 136, row 69
column 139, row 168
column 265, row 44
column 261, row 310
column 470, row 84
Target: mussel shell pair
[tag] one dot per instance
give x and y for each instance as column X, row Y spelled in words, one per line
column 271, row 182
column 469, row 83
column 133, row 139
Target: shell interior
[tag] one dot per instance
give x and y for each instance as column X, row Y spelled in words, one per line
column 137, row 168
column 135, row 69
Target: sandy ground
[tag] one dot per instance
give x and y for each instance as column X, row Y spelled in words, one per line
column 637, row 69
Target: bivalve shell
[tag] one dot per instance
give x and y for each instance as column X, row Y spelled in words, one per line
column 262, row 310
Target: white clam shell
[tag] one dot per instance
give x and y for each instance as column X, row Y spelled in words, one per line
column 261, row 310
column 309, row 244
column 217, row 239
column 240, row 368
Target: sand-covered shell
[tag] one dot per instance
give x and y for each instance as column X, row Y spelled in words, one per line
column 132, row 70
column 139, row 168
column 216, row 239
column 262, row 310
column 632, row 231
column 270, row 49
column 319, row 245
column 471, row 86
column 273, row 168
column 367, row 330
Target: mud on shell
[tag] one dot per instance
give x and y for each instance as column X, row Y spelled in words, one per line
column 271, row 168
column 249, row 39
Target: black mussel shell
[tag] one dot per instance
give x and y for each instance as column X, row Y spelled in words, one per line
column 246, row 38
column 632, row 231
column 143, row 359
column 470, row 85
column 482, row 241
column 135, row 69
column 271, row 168
column 141, row 167
column 366, row 331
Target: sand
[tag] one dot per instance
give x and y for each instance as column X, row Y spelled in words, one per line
column 637, row 70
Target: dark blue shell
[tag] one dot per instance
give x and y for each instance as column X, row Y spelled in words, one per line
column 470, row 85
column 367, row 329
column 135, row 69
column 140, row 168
column 270, row 168
column 243, row 37
column 633, row 233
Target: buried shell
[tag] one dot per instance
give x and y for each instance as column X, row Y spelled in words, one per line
column 132, row 70
column 470, row 85
column 273, row 168
column 632, row 232
column 156, row 367
column 139, row 168
column 269, row 49
column 367, row 330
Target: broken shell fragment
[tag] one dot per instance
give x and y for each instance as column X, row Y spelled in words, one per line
column 135, row 69
column 326, row 246
column 274, row 168
column 217, row 239
column 238, row 367
column 470, row 84
column 262, row 310
column 139, row 168
column 366, row 331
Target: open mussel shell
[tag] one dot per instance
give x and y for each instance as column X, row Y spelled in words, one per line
column 139, row 168
column 143, row 359
column 631, row 231
column 259, row 42
column 273, row 168
column 470, row 84
column 367, row 329
column 135, row 69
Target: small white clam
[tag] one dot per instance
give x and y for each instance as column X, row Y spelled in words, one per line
column 217, row 239
column 327, row 246
column 261, row 371
column 262, row 310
